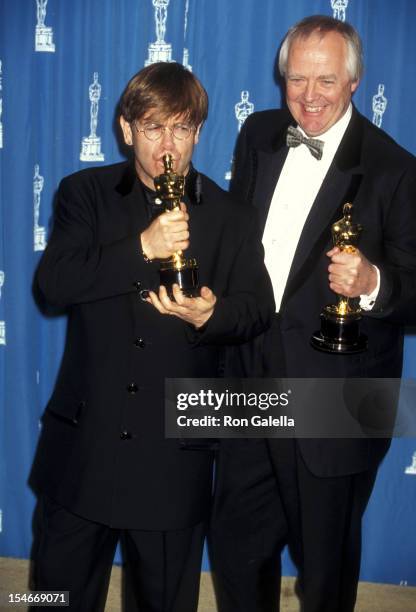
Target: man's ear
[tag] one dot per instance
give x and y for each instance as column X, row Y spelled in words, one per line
column 126, row 129
column 354, row 85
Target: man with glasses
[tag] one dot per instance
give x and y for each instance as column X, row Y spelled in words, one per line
column 104, row 468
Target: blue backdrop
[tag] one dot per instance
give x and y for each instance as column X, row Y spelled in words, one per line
column 63, row 65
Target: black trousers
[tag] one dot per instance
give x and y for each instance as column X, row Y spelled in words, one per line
column 73, row 554
column 261, row 505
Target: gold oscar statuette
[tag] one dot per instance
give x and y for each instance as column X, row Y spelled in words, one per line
column 170, row 188
column 340, row 322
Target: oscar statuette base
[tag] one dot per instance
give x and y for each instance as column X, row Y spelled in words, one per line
column 339, row 334
column 186, row 278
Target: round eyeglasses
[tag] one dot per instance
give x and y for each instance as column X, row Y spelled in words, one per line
column 154, row 131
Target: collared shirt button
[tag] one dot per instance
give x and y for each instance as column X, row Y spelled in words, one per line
column 139, row 343
column 132, row 388
column 125, row 435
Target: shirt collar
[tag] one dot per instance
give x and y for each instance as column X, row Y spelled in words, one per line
column 193, row 185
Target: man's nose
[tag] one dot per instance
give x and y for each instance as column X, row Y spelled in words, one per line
column 310, row 90
column 167, row 135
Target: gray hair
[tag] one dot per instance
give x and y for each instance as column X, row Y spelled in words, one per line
column 323, row 24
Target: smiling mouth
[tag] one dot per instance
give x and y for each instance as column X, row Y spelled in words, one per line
column 313, row 109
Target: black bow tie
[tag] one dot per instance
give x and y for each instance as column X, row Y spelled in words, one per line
column 294, row 138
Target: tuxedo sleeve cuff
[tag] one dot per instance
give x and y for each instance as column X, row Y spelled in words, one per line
column 367, row 301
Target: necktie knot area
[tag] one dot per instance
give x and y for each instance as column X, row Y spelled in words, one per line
column 294, row 138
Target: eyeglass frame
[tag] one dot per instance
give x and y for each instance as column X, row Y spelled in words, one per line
column 164, row 128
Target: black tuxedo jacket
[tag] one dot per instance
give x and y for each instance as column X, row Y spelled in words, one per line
column 379, row 177
column 102, row 452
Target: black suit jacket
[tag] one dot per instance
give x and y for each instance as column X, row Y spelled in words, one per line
column 371, row 170
column 102, row 451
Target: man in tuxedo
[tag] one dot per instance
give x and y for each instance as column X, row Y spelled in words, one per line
column 104, row 469
column 311, row 493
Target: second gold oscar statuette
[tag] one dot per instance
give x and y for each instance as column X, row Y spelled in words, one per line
column 340, row 322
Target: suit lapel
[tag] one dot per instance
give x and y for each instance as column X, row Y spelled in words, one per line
column 269, row 168
column 133, row 201
column 268, row 163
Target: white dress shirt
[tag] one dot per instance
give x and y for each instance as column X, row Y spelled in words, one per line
column 298, row 185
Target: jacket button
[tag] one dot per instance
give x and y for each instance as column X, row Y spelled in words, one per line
column 139, row 343
column 125, row 435
column 132, row 388
column 137, row 285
